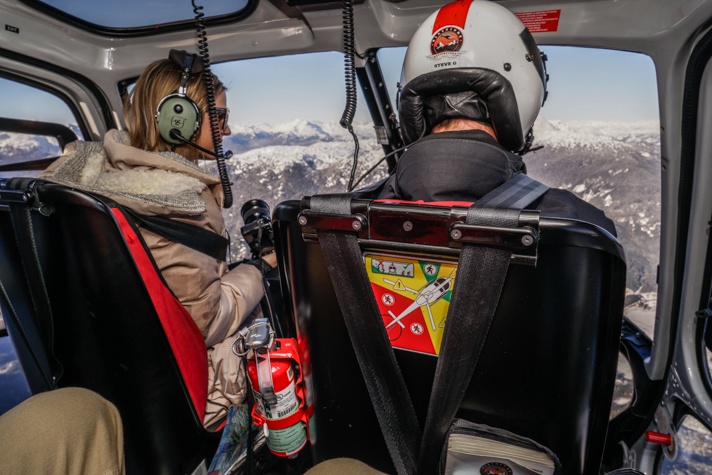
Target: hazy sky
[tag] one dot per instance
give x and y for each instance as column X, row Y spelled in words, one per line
column 584, row 84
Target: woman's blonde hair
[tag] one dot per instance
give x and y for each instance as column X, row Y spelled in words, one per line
column 160, row 79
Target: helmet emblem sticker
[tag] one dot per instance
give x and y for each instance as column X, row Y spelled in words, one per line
column 446, row 40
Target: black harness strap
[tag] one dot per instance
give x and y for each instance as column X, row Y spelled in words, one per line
column 369, row 339
column 13, row 319
column 196, row 238
column 23, row 228
column 516, row 193
column 481, row 275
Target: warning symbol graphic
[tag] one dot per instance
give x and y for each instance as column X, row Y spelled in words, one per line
column 388, row 299
column 383, row 266
column 417, row 300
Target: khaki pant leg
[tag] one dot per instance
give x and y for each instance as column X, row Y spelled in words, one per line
column 64, row 432
column 343, row 466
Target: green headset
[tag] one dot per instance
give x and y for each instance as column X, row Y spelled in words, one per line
column 177, row 113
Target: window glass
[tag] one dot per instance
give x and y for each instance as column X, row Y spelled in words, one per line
column 13, row 386
column 601, row 141
column 694, row 451
column 20, row 148
column 624, row 389
column 21, row 101
column 123, row 14
column 286, row 137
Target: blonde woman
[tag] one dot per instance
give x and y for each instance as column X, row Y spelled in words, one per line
column 141, row 170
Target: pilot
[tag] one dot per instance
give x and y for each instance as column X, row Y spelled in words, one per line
column 141, row 170
column 472, row 84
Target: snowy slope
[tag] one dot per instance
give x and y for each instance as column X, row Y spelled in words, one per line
column 613, row 165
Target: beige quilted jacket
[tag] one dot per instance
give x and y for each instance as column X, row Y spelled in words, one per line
column 166, row 184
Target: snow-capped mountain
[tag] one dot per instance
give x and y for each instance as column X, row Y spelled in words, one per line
column 616, row 167
column 613, row 165
column 16, row 148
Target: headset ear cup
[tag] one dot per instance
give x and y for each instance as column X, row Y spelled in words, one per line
column 180, row 113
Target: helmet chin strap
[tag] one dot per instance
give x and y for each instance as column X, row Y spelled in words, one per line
column 528, row 142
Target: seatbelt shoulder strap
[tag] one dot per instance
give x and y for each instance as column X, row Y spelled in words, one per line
column 480, row 278
column 23, row 228
column 384, row 381
column 516, row 193
column 199, row 239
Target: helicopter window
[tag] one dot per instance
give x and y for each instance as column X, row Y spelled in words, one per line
column 287, row 146
column 693, row 452
column 156, row 16
column 606, row 151
column 623, row 392
column 34, row 127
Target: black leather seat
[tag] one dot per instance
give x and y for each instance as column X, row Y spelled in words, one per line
column 108, row 334
column 548, row 366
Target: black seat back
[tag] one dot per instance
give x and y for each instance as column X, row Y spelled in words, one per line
column 548, row 366
column 108, row 334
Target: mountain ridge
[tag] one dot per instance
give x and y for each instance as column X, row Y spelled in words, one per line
column 613, row 165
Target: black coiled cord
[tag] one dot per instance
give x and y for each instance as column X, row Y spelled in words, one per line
column 350, row 81
column 215, row 129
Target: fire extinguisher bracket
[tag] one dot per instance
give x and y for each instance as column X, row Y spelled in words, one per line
column 285, row 415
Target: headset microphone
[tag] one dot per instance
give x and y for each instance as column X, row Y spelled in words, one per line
column 178, row 137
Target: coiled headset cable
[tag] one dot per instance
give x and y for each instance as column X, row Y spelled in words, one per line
column 215, row 129
column 350, row 81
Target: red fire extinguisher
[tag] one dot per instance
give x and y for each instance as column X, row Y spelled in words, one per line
column 278, row 387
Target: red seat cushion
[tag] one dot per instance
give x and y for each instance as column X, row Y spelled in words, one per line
column 183, row 334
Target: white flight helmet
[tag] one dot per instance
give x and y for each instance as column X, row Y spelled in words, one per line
column 473, row 59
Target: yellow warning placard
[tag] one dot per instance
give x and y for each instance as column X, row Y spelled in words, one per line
column 413, row 296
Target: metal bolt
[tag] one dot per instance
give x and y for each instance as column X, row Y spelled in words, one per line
column 408, row 226
column 356, row 224
column 527, row 240
column 456, row 234
column 303, row 220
